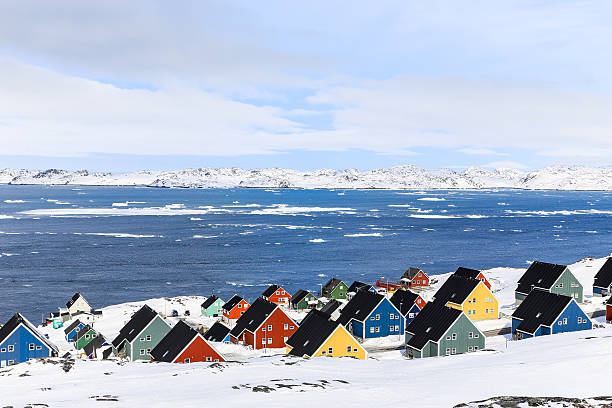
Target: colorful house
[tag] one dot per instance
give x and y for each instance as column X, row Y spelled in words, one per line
column 609, row 310
column 184, row 344
column 302, row 299
column 141, row 334
column 469, row 295
column 333, row 308
column 97, row 348
column 542, row 313
column 334, row 289
column 439, row 330
column 472, row 273
column 319, row 336
column 219, row 333
column 263, row 325
column 276, row 294
column 83, row 337
column 20, row 342
column 415, row 277
column 234, row 308
column 408, row 303
column 77, row 303
column 550, row 278
column 603, row 279
column 357, row 286
column 212, row 306
column 71, row 331
column 369, row 314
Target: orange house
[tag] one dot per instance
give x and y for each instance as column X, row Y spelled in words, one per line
column 235, row 308
column 276, row 294
column 184, row 344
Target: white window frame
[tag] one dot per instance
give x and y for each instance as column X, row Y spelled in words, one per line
column 11, row 348
column 31, row 346
column 142, row 352
column 330, row 350
column 349, row 349
column 286, row 326
column 38, row 347
column 454, row 336
column 149, row 337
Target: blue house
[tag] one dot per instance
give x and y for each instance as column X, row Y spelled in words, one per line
column 71, row 331
column 369, row 315
column 542, row 313
column 20, row 342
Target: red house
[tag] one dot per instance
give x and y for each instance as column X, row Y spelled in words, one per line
column 183, row 344
column 234, row 308
column 472, row 273
column 415, row 278
column 609, row 310
column 276, row 294
column 264, row 325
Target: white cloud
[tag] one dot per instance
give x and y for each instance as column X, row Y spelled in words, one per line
column 481, row 151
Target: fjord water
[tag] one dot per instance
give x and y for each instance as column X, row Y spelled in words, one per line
column 241, row 240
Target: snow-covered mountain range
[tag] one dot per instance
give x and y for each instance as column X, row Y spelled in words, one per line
column 398, row 177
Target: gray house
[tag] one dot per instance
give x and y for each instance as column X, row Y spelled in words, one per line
column 549, row 278
column 141, row 334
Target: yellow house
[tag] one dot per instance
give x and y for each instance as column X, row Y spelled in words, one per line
column 319, row 336
column 470, row 295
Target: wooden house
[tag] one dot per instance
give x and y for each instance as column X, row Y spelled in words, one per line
column 439, row 330
column 276, row 294
column 471, row 296
column 550, row 278
column 603, row 280
column 219, row 333
column 542, row 313
column 73, row 329
column 84, row 337
column 77, row 303
column 334, row 289
column 183, row 344
column 333, row 308
column 212, row 306
column 408, row 303
column 234, row 308
column 474, row 274
column 318, row 336
column 20, row 342
column 141, row 334
column 263, row 325
column 369, row 314
column 97, row 348
column 303, row 300
column 415, row 278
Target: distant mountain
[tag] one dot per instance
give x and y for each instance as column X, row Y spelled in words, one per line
column 398, row 177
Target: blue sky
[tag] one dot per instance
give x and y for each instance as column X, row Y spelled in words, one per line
column 116, row 86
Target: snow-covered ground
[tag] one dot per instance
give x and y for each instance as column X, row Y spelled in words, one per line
column 398, row 177
column 565, row 365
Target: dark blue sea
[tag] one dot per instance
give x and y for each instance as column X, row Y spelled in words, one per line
column 56, row 240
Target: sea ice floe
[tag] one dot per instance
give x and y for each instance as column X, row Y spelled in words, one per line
column 373, row 234
column 118, row 235
column 317, row 240
column 14, row 201
column 205, row 236
column 431, row 199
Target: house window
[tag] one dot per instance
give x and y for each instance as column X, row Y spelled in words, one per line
column 391, row 328
column 372, row 318
column 187, row 360
column 448, row 337
column 11, row 362
column 454, row 336
column 469, row 312
column 239, row 305
column 263, row 328
column 470, row 349
column 474, row 300
column 448, row 351
column 208, row 358
column 560, row 285
column 411, row 315
column 371, row 330
column 241, row 313
column 87, row 336
column 354, row 349
column 291, row 327
column 269, row 327
column 470, row 335
column 38, row 347
column 142, row 339
column 559, row 323
column 286, row 326
column 142, row 352
column 579, row 320
column 3, row 350
column 476, row 335
column 473, row 311
column 377, row 329
column 216, row 360
column 78, row 329
column 32, row 346
column 348, row 349
column 148, row 337
column 323, row 352
column 269, row 340
column 263, row 341
column 278, row 292
column 378, row 317
column 565, row 320
column 454, row 351
column 475, row 348
column 285, row 339
column 396, row 328
column 330, row 350
column 11, row 348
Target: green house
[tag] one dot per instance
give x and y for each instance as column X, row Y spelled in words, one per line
column 141, row 334
column 212, row 307
column 334, row 289
column 549, row 278
column 83, row 337
column 302, row 300
column 439, row 330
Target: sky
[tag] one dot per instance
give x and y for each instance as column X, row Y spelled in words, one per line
column 123, row 86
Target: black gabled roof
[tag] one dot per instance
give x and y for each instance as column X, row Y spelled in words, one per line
column 609, row 302
column 431, row 323
column 298, row 296
column 217, row 332
column 539, row 308
column 357, row 286
column 83, row 332
column 270, row 291
column 93, row 345
column 331, row 306
column 467, row 272
column 539, row 274
column 73, row 299
column 312, row 332
column 360, row 306
column 603, row 278
column 230, row 304
column 456, row 289
column 137, row 323
column 174, row 342
column 72, row 326
column 209, row 301
column 15, row 321
column 255, row 315
column 403, row 300
column 410, row 273
column 330, row 286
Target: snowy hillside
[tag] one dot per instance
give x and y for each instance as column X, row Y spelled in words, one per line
column 399, row 177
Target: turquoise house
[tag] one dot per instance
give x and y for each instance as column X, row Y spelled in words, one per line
column 212, row 307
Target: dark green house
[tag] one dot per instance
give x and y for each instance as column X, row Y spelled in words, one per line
column 439, row 330
column 549, row 278
column 84, row 337
column 334, row 289
column 302, row 300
